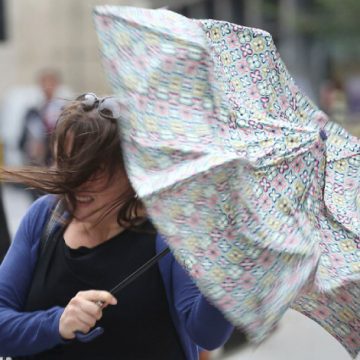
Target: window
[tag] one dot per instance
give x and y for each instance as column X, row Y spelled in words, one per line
column 2, row 21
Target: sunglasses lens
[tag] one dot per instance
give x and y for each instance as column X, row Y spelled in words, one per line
column 109, row 108
column 88, row 100
column 106, row 113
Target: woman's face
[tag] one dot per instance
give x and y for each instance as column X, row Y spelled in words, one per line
column 95, row 197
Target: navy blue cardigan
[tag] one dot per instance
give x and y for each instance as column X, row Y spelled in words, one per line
column 197, row 322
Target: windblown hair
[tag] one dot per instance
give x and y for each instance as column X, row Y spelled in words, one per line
column 94, row 146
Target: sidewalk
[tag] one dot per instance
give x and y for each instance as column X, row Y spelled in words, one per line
column 297, row 338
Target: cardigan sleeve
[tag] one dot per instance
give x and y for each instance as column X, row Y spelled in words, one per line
column 205, row 324
column 25, row 333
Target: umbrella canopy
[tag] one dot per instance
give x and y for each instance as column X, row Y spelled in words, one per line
column 256, row 192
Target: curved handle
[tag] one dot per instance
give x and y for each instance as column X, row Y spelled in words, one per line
column 99, row 330
column 90, row 336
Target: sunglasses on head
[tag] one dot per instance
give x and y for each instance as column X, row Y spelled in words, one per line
column 108, row 107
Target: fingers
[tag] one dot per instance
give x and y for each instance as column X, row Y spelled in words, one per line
column 83, row 311
column 98, row 296
column 83, row 327
column 86, row 322
column 91, row 308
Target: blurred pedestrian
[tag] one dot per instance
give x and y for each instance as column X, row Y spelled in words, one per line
column 40, row 121
column 4, row 232
column 49, row 297
column 333, row 100
column 353, row 91
column 204, row 355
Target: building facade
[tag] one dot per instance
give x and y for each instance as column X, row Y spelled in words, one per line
column 60, row 34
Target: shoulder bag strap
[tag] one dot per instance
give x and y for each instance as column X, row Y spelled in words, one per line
column 53, row 222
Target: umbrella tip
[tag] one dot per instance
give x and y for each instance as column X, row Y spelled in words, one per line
column 323, row 135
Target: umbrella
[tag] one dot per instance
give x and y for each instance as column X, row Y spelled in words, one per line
column 255, row 191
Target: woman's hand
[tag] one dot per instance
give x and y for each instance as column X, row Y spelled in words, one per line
column 83, row 311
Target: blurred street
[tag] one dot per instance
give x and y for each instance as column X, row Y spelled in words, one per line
column 16, row 202
column 297, row 337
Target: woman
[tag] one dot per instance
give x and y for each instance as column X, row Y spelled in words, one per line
column 103, row 236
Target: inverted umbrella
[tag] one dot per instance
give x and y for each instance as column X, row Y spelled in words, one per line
column 255, row 191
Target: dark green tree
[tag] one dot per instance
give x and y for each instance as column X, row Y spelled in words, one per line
column 334, row 21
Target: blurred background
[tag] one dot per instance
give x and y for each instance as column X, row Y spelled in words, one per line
column 49, row 52
column 318, row 40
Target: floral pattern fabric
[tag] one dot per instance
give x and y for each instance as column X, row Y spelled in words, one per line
column 256, row 192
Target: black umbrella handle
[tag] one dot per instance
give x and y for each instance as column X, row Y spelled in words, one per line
column 127, row 281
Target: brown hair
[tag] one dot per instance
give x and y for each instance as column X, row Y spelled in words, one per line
column 95, row 146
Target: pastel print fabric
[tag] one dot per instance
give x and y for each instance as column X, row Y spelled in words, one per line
column 254, row 190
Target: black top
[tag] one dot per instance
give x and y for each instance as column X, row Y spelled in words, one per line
column 138, row 327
